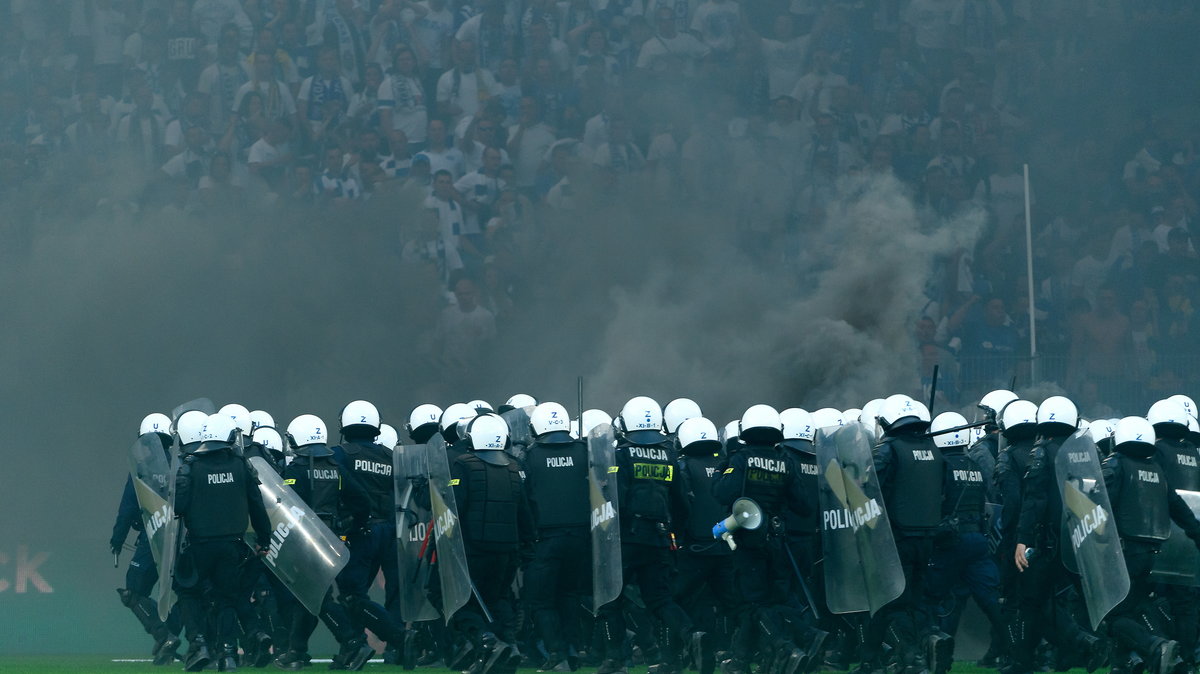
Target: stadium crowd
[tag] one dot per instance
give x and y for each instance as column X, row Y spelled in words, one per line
column 466, row 130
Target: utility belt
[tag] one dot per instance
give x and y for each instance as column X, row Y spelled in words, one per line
column 231, row 538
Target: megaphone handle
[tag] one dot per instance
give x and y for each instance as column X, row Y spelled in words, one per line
column 728, row 537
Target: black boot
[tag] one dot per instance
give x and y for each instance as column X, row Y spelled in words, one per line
column 198, row 655
column 165, row 650
column 292, row 661
column 228, row 660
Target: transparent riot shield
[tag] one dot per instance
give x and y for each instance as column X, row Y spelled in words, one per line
column 519, row 434
column 862, row 567
column 1178, row 563
column 199, row 404
column 414, row 535
column 1090, row 533
column 607, row 579
column 172, row 533
column 302, row 553
column 451, row 555
column 150, row 471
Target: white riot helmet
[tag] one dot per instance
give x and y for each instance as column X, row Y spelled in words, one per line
column 190, row 427
column 260, row 419
column 155, row 422
column 550, row 417
column 851, row 415
column 388, row 437
column 760, row 424
column 1134, row 436
column 307, row 429
column 1018, row 413
column 268, row 437
column 977, row 434
column 828, row 417
column 678, row 411
column 902, row 412
column 1057, row 415
column 959, row 438
column 423, row 422
column 730, row 431
column 870, row 417
column 1189, row 405
column 487, row 435
column 450, row 418
column 593, row 418
column 697, row 436
column 478, row 405
column 1101, row 430
column 218, row 431
column 994, row 402
column 1169, row 418
column 641, row 421
column 797, row 425
column 360, row 414
column 241, row 416
column 518, row 400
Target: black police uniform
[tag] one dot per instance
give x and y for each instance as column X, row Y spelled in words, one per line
column 1179, row 460
column 1144, row 504
column 216, row 491
column 556, row 485
column 646, row 490
column 496, row 524
column 705, row 586
column 1039, row 528
column 765, row 473
column 342, row 505
column 962, row 564
column 372, row 545
column 1011, row 465
column 264, row 606
column 911, row 471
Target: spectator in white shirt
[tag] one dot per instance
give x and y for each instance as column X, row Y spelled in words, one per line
column 402, row 100
column 439, row 154
column 277, row 98
column 461, row 90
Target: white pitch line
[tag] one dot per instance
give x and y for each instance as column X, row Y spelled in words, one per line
column 375, row 661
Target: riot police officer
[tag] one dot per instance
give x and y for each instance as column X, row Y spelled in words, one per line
column 340, row 502
column 556, row 479
column 646, row 487
column 678, row 411
column 373, row 545
column 496, row 524
column 986, row 450
column 1038, row 528
column 1177, row 456
column 215, row 493
column 1144, row 504
column 142, row 573
column 1017, row 425
column 760, row 470
column 705, row 584
column 910, row 468
column 962, row 565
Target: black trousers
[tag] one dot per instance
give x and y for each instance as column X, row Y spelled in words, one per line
column 561, row 567
column 215, row 564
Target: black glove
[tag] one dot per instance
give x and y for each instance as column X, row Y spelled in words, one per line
column 115, row 547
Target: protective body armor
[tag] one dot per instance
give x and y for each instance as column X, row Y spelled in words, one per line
column 1141, row 507
column 371, row 465
column 914, row 493
column 218, row 491
column 964, row 491
column 1178, row 459
column 489, row 514
column 646, row 474
column 808, row 524
column 557, row 477
column 318, row 481
column 698, row 472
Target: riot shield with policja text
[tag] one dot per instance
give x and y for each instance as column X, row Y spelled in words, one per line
column 1089, row 530
column 1178, row 562
column 862, row 566
column 607, row 579
column 414, row 533
column 451, row 552
column 172, row 532
column 303, row 553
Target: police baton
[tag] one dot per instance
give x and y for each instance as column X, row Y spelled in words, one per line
column 800, row 580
